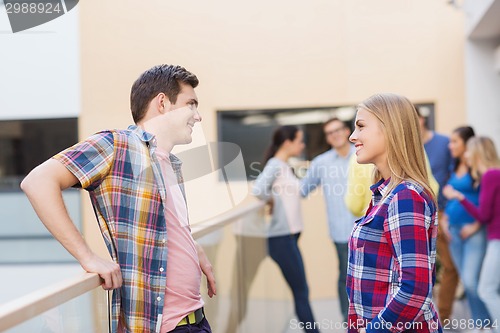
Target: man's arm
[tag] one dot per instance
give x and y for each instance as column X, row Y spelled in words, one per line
column 310, row 181
column 43, row 187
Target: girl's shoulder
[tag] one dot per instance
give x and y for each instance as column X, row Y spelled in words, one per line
column 408, row 186
column 411, row 190
column 276, row 167
column 492, row 174
column 273, row 161
column 276, row 164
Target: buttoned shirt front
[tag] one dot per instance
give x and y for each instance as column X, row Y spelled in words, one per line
column 392, row 253
column 121, row 172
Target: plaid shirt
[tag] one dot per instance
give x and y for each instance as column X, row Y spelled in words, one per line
column 121, row 172
column 392, row 252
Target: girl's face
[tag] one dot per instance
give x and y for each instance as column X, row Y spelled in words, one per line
column 457, row 146
column 296, row 146
column 369, row 139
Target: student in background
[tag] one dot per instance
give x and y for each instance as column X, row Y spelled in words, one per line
column 467, row 241
column 329, row 170
column 483, row 160
column 278, row 183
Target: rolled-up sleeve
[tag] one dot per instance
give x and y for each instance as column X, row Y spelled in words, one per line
column 90, row 160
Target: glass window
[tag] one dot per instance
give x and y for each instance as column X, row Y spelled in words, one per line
column 24, row 144
column 251, row 130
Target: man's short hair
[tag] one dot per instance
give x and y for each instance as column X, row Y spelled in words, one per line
column 159, row 79
column 347, row 124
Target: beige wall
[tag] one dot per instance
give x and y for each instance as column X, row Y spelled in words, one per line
column 263, row 54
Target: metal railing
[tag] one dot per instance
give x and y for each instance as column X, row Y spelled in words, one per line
column 40, row 301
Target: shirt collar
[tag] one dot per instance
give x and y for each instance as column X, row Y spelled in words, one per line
column 334, row 153
column 381, row 187
column 146, row 137
column 175, row 160
column 150, row 140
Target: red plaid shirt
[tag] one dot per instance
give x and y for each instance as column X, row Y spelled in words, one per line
column 392, row 252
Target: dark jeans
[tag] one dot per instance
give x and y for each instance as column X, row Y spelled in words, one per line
column 202, row 327
column 285, row 252
column 343, row 255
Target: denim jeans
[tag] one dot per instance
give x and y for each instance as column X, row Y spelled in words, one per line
column 489, row 281
column 468, row 255
column 284, row 250
column 343, row 255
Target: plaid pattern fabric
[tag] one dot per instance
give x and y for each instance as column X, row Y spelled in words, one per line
column 391, row 272
column 120, row 171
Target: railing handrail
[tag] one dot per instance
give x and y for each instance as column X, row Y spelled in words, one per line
column 39, row 301
column 204, row 228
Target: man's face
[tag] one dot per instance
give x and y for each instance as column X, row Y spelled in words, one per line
column 181, row 116
column 337, row 134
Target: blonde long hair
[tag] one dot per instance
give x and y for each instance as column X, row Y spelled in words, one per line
column 400, row 124
column 481, row 149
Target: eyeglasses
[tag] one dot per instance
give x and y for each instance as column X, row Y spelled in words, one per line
column 335, row 131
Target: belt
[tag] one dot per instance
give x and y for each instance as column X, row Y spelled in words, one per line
column 194, row 318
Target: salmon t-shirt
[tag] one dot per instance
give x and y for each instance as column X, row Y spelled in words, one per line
column 182, row 294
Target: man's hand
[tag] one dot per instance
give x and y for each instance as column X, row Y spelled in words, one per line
column 207, row 269
column 43, row 187
column 109, row 271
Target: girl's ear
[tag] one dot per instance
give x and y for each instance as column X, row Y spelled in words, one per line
column 286, row 143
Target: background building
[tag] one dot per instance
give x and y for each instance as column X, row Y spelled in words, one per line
column 482, row 65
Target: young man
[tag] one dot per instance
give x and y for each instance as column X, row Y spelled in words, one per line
column 330, row 171
column 137, row 192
